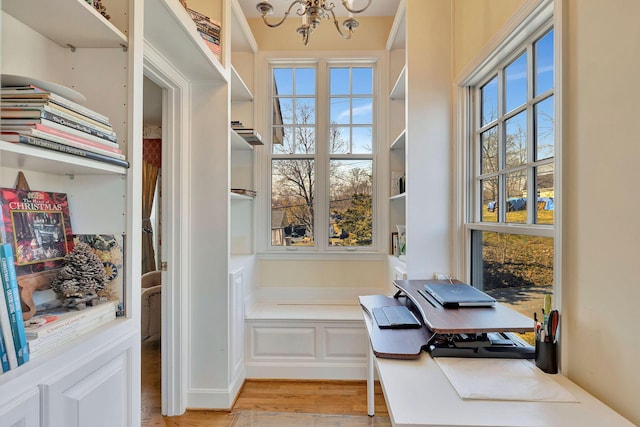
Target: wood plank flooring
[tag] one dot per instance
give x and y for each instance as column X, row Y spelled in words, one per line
column 263, row 403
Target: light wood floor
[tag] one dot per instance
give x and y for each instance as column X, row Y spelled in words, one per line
column 262, row 403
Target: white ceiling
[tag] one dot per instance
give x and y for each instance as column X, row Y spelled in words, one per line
column 377, row 7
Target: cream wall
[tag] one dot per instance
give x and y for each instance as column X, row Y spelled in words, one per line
column 475, row 23
column 601, row 235
column 371, row 35
column 600, row 283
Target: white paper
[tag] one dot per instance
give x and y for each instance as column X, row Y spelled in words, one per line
column 502, row 379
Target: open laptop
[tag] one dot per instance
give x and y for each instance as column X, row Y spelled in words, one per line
column 453, row 295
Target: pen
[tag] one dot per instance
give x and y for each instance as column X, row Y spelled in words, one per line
column 553, row 325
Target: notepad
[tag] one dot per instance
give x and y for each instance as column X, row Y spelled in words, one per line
column 395, row 316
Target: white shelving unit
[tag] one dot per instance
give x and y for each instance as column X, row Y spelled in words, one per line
column 397, row 120
column 243, row 50
column 170, row 29
column 94, row 56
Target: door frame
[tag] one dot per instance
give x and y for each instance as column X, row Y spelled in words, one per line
column 175, row 203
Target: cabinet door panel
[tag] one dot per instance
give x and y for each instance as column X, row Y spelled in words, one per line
column 23, row 411
column 97, row 398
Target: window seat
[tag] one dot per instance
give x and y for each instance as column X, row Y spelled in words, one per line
column 307, row 335
column 310, row 310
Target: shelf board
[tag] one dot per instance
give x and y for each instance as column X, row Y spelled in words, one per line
column 89, row 28
column 400, row 196
column 236, row 196
column 238, row 142
column 242, row 39
column 400, row 142
column 171, row 31
column 13, row 155
column 397, row 35
column 239, row 90
column 398, row 91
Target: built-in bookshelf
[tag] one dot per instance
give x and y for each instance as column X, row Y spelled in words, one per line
column 244, row 137
column 397, row 129
column 101, row 59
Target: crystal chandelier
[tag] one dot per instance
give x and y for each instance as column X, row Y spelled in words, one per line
column 312, row 11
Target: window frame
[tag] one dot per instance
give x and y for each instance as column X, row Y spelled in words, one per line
column 322, row 157
column 529, row 23
column 475, row 129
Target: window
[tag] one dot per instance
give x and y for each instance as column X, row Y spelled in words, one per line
column 322, row 156
column 512, row 168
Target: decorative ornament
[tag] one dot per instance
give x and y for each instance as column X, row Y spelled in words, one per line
column 81, row 278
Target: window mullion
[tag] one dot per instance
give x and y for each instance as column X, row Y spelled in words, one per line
column 502, row 192
column 322, row 158
column 531, row 192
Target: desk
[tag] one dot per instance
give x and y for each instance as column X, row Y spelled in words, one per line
column 418, row 393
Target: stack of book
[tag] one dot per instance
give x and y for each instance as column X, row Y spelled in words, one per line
column 14, row 350
column 244, row 192
column 42, row 118
column 54, row 327
column 209, row 30
column 248, row 134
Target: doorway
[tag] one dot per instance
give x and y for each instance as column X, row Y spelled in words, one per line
column 168, row 92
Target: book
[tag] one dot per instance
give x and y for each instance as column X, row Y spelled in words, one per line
column 55, row 146
column 109, row 248
column 45, row 132
column 14, row 306
column 26, row 112
column 37, row 348
column 52, row 105
column 244, row 191
column 71, row 126
column 209, row 30
column 63, row 327
column 250, row 135
column 5, row 328
column 36, row 93
column 4, row 358
column 37, row 225
column 51, row 322
column 213, row 47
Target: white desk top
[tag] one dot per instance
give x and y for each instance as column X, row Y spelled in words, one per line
column 418, row 394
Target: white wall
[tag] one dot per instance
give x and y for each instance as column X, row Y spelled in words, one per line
column 428, row 152
column 371, row 35
column 601, row 235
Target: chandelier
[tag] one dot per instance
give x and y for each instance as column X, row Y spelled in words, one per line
column 312, row 11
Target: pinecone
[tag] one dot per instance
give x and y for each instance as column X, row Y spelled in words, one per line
column 82, row 275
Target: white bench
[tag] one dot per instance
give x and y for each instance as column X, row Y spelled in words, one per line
column 306, row 339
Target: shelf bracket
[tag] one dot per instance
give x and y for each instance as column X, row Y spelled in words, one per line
column 124, row 47
column 72, row 47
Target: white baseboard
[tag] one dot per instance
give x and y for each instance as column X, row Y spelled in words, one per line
column 311, row 371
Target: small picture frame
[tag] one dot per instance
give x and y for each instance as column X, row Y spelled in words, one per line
column 394, row 243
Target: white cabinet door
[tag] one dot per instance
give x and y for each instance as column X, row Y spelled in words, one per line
column 23, row 411
column 96, row 394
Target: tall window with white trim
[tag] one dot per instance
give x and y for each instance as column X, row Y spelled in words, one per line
column 512, row 189
column 322, row 156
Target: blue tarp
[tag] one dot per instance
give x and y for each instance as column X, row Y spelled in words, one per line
column 520, row 203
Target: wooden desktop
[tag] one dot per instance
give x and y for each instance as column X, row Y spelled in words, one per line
column 418, row 393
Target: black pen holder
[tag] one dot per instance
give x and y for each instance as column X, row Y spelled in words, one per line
column 547, row 356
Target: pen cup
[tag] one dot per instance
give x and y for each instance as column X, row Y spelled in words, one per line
column 547, row 357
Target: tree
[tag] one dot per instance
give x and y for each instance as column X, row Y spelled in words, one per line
column 358, row 220
column 293, row 187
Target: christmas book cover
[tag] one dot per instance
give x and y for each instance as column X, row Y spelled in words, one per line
column 37, row 224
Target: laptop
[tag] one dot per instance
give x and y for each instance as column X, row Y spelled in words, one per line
column 453, row 295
